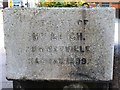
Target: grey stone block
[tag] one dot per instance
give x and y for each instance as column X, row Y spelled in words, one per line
column 59, row 43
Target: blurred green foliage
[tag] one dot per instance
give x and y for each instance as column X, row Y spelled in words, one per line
column 60, row 4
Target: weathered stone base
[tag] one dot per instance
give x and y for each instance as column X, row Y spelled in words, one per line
column 59, row 43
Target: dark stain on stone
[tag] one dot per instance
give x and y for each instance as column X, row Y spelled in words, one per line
column 28, row 47
column 26, row 50
column 18, row 53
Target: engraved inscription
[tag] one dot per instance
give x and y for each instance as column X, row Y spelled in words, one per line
column 75, row 48
column 76, row 36
column 82, row 21
column 68, row 54
column 35, row 36
column 79, row 21
column 55, row 37
column 59, row 60
column 85, row 22
column 34, row 48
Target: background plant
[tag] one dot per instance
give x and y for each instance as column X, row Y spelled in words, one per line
column 60, row 3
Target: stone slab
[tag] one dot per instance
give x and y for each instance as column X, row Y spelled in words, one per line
column 59, row 43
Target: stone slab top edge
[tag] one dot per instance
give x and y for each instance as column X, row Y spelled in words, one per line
column 81, row 8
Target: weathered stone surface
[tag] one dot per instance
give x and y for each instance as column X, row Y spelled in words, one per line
column 59, row 43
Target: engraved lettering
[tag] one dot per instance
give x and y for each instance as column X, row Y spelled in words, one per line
column 79, row 36
column 53, row 36
column 36, row 61
column 72, row 36
column 60, row 36
column 54, row 61
column 67, row 48
column 79, row 21
column 85, row 22
column 60, row 61
column 61, row 48
column 77, row 61
column 87, row 48
column 35, row 36
column 57, row 36
column 83, row 61
column 76, row 48
column 71, row 60
column 55, row 49
column 81, row 49
column 34, row 48
column 76, row 36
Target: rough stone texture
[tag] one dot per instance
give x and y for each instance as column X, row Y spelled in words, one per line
column 59, row 43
